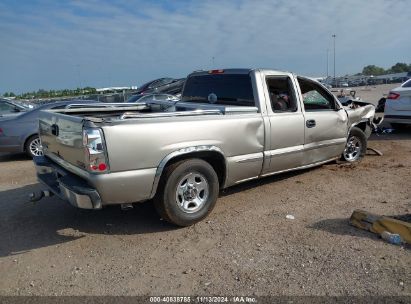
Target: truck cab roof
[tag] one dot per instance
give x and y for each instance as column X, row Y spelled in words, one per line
column 237, row 71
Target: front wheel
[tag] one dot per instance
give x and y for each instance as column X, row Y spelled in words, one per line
column 356, row 146
column 33, row 146
column 187, row 193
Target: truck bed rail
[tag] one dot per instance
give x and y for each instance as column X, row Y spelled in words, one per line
column 170, row 114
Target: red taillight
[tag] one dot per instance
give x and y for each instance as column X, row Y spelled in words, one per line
column 216, row 72
column 1, row 131
column 393, row 95
column 94, row 150
column 102, row 167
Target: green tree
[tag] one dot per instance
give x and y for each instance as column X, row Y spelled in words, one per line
column 41, row 93
column 399, row 67
column 373, row 70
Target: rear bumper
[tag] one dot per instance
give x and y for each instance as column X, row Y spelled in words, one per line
column 404, row 119
column 10, row 144
column 92, row 191
column 66, row 185
column 393, row 114
column 12, row 149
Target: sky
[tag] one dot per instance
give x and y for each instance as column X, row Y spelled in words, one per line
column 56, row 44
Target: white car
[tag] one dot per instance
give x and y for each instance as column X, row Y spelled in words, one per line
column 397, row 109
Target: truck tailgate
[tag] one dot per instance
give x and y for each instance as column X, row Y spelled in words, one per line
column 62, row 136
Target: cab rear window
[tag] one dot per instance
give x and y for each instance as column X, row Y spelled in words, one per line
column 222, row 89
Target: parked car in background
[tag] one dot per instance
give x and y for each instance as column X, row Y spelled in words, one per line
column 153, row 84
column 10, row 108
column 169, row 91
column 19, row 133
column 328, row 86
column 173, row 88
column 141, row 98
column 397, row 109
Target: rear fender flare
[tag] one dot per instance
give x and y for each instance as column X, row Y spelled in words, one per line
column 181, row 152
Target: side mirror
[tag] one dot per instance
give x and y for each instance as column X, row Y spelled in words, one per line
column 16, row 109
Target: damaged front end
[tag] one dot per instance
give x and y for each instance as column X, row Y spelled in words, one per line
column 362, row 115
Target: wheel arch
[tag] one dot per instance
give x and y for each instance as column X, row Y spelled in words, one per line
column 26, row 139
column 364, row 126
column 211, row 154
column 360, row 125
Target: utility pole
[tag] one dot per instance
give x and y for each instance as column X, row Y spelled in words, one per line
column 334, row 36
column 327, row 61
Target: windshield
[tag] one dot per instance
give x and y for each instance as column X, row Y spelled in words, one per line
column 224, row 89
column 7, row 107
column 160, row 82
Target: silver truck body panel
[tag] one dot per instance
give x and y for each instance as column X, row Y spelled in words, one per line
column 171, row 134
column 360, row 114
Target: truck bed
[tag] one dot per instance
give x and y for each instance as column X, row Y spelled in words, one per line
column 113, row 112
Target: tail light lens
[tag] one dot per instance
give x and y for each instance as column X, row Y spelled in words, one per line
column 1, row 131
column 393, row 95
column 95, row 151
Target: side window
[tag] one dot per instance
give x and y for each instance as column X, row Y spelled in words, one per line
column 315, row 97
column 160, row 82
column 155, row 84
column 282, row 96
column 6, row 108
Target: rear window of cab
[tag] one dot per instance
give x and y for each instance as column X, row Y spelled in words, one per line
column 222, row 89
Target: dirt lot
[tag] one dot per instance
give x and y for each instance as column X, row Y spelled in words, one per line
column 247, row 246
column 369, row 93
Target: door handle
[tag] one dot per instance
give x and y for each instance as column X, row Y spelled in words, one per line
column 310, row 123
column 55, row 130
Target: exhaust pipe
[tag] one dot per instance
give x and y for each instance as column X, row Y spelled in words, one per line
column 38, row 195
column 126, row 206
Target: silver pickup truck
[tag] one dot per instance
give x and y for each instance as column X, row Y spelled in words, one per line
column 230, row 126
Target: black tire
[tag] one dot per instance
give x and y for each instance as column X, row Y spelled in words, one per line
column 28, row 148
column 356, row 146
column 169, row 203
column 380, row 106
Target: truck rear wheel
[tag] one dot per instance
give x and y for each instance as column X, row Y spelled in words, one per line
column 187, row 193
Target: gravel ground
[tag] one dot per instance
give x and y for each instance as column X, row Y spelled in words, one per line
column 246, row 246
